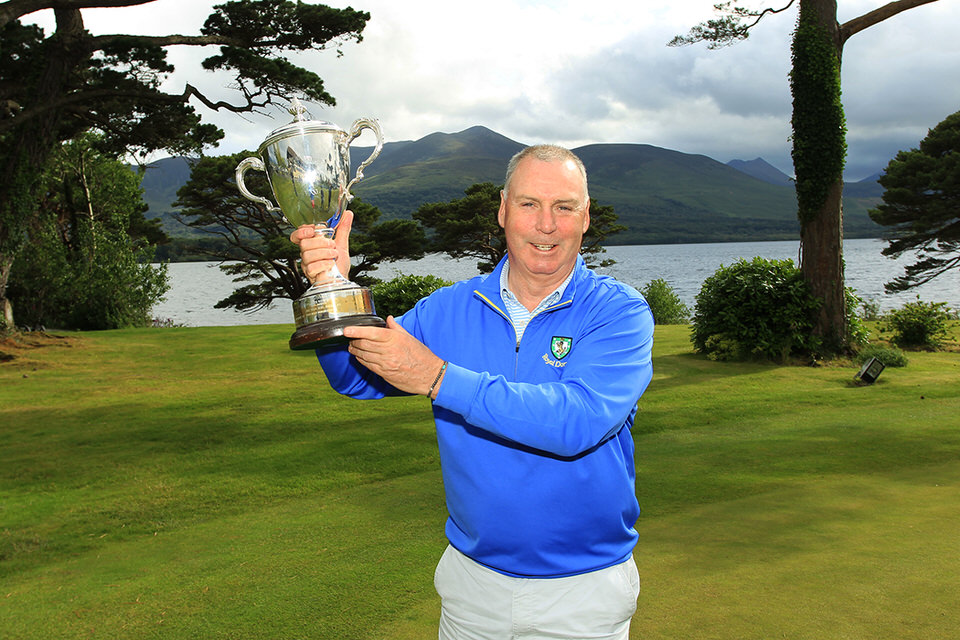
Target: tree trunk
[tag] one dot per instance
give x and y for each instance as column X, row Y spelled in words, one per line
column 821, row 264
column 821, row 227
column 24, row 158
column 6, row 321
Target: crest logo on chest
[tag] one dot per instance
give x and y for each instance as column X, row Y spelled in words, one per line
column 560, row 346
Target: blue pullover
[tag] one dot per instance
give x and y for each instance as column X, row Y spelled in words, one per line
column 535, row 445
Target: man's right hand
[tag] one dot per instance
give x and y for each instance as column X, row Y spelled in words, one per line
column 317, row 253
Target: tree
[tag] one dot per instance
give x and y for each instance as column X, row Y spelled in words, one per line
column 373, row 242
column 819, row 137
column 467, row 227
column 86, row 265
column 256, row 247
column 55, row 87
column 921, row 204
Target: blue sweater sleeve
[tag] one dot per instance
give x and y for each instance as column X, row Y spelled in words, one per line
column 596, row 395
column 350, row 378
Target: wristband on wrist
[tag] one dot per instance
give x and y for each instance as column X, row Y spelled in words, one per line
column 443, row 368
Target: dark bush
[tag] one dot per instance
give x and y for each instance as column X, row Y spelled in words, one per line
column 889, row 356
column 759, row 309
column 665, row 304
column 919, row 325
column 397, row 296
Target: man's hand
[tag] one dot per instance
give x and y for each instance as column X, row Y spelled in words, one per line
column 317, row 254
column 396, row 356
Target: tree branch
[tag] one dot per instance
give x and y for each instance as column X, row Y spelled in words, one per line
column 251, row 105
column 13, row 9
column 728, row 28
column 766, row 11
column 876, row 16
column 101, row 42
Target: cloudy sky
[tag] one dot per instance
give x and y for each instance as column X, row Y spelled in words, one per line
column 578, row 72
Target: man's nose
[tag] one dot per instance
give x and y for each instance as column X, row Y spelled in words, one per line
column 546, row 222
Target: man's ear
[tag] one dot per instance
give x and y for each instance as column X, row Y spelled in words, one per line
column 502, row 212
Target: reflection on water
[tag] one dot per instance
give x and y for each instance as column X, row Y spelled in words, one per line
column 197, row 286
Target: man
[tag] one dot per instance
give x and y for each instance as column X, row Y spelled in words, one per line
column 534, row 372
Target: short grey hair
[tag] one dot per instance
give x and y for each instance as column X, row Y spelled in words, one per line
column 545, row 153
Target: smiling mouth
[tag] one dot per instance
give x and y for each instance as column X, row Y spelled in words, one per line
column 544, row 247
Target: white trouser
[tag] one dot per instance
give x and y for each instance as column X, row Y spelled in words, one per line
column 478, row 603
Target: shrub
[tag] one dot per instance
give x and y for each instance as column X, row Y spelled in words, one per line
column 759, row 309
column 889, row 356
column 871, row 309
column 920, row 325
column 857, row 333
column 117, row 289
column 665, row 304
column 397, row 296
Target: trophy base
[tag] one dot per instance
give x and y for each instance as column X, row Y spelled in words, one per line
column 321, row 316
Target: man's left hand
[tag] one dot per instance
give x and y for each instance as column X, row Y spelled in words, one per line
column 394, row 355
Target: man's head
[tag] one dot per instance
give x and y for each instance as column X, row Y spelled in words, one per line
column 544, row 211
column 546, row 153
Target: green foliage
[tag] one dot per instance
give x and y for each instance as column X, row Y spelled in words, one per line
column 759, row 309
column 86, row 262
column 603, row 224
column 889, row 356
column 116, row 290
column 468, row 228
column 727, row 29
column 921, row 205
column 819, row 127
column 857, row 332
column 919, row 325
column 397, row 296
column 665, row 304
column 373, row 242
column 869, row 310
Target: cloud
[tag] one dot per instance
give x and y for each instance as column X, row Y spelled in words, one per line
column 579, row 72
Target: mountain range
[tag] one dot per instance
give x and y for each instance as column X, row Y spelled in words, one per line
column 662, row 196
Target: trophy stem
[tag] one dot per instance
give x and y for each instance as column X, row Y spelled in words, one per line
column 332, row 279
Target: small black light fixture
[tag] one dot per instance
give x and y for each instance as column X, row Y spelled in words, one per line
column 870, row 371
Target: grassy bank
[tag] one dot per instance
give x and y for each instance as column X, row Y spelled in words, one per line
column 205, row 483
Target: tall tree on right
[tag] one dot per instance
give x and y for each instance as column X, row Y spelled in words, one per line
column 921, row 205
column 819, row 137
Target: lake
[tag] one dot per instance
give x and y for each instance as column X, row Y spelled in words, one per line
column 197, row 286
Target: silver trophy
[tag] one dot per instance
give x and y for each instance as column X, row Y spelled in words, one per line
column 307, row 163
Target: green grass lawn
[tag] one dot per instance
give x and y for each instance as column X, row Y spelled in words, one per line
column 206, row 483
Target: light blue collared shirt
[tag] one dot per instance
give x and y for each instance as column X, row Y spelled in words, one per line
column 519, row 314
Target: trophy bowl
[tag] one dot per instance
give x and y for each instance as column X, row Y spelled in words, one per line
column 307, row 163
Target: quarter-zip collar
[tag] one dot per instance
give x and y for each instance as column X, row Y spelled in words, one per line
column 489, row 288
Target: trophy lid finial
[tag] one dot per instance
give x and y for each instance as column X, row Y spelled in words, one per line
column 299, row 111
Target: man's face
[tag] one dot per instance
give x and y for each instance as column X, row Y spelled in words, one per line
column 544, row 215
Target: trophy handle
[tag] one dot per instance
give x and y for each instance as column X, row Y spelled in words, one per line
column 355, row 129
column 252, row 163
